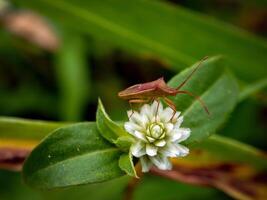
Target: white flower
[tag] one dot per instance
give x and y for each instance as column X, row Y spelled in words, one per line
column 157, row 135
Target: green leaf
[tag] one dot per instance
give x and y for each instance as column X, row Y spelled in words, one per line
column 113, row 189
column 24, row 129
column 73, row 76
column 245, row 125
column 252, row 89
column 179, row 42
column 124, row 142
column 216, row 87
column 224, row 149
column 108, row 128
column 126, row 164
column 72, row 155
column 18, row 137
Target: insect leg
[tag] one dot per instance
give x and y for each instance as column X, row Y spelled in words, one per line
column 171, row 105
column 157, row 110
column 131, row 106
column 191, row 74
column 197, row 98
column 157, row 100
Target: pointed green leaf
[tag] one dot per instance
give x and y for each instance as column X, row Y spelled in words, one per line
column 126, row 164
column 72, row 155
column 108, row 128
column 216, row 87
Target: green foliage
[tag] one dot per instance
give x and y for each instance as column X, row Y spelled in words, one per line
column 72, row 72
column 126, row 164
column 179, row 42
column 115, row 134
column 26, row 129
column 213, row 84
column 73, row 155
column 14, row 189
column 152, row 187
column 252, row 89
column 246, row 116
column 124, row 142
column 226, row 149
column 108, row 129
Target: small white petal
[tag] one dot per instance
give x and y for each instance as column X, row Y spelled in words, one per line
column 140, row 119
column 145, row 120
column 136, row 118
column 160, row 143
column 129, row 113
column 145, row 110
column 139, row 135
column 169, row 127
column 170, row 150
column 179, row 122
column 161, row 162
column 153, row 107
column 130, row 127
column 185, row 132
column 182, row 149
column 156, row 106
column 138, row 149
column 176, row 115
column 166, row 115
column 175, row 135
column 151, row 149
column 145, row 163
column 160, row 108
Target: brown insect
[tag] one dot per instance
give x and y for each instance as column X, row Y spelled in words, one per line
column 154, row 90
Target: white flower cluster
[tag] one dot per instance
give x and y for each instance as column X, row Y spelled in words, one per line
column 157, row 135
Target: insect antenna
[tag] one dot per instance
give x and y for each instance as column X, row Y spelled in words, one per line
column 191, row 74
column 197, row 98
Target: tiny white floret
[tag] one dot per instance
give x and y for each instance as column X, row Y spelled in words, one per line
column 157, row 134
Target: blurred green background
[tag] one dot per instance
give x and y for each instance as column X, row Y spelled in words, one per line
column 58, row 57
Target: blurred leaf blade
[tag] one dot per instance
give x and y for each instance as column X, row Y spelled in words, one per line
column 73, row 155
column 72, row 73
column 156, row 187
column 232, row 167
column 180, row 42
column 229, row 150
column 18, row 137
column 211, row 82
column 252, row 89
column 19, row 128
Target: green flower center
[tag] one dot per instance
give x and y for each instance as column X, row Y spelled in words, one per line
column 156, row 130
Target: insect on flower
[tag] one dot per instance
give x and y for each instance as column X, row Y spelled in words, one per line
column 154, row 90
